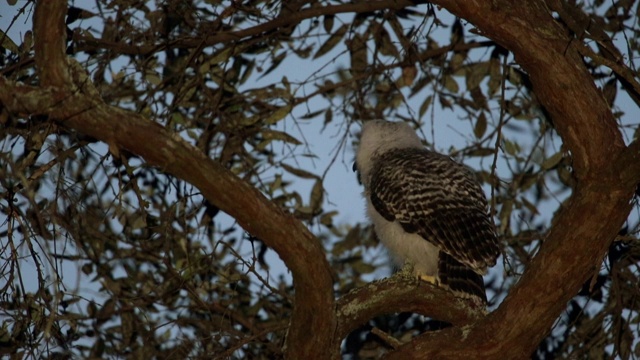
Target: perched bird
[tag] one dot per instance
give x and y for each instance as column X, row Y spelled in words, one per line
column 428, row 210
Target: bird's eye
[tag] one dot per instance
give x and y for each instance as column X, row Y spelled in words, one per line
column 355, row 166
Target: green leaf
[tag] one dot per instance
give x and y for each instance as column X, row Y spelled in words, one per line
column 450, row 84
column 279, row 135
column 481, row 126
column 495, row 76
column 327, row 218
column 505, row 211
column 445, row 103
column 317, row 196
column 532, row 208
column 511, row 147
column 214, row 60
column 327, row 22
column 328, row 117
column 457, row 61
column 333, row 40
column 8, row 44
column 139, row 222
column 384, row 44
column 610, row 90
column 515, row 76
column 362, row 267
column 350, row 241
column 311, row 115
column 298, row 172
column 153, row 78
column 475, row 73
column 553, row 161
column 425, row 105
column 565, row 176
column 275, row 62
column 358, row 51
column 278, row 115
column 481, row 152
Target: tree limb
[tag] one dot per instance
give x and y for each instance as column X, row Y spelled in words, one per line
column 298, row 248
column 629, row 165
column 579, row 238
column 218, row 37
column 582, row 25
column 402, row 293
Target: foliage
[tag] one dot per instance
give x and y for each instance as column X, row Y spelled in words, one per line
column 104, row 255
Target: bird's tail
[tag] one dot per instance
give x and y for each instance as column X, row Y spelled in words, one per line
column 459, row 278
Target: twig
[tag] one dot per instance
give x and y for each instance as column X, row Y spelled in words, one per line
column 386, row 338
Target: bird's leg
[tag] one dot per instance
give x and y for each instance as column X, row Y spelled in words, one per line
column 408, row 269
column 428, row 278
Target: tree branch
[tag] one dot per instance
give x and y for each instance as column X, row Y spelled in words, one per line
column 629, row 165
column 402, row 293
column 238, row 35
column 579, row 238
column 582, row 25
column 298, row 248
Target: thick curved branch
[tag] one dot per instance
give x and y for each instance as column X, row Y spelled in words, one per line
column 50, row 45
column 298, row 248
column 579, row 238
column 629, row 165
column 402, row 293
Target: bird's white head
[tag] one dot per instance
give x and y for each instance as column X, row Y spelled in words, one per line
column 379, row 136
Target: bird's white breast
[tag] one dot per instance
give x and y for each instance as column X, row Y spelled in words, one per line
column 404, row 246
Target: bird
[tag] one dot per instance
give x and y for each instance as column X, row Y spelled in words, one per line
column 428, row 211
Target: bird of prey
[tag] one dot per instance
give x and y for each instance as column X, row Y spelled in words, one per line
column 428, row 210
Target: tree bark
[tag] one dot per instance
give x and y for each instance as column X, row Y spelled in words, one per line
column 313, row 310
column 579, row 238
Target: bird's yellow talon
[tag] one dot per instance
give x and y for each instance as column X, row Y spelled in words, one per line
column 429, row 279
